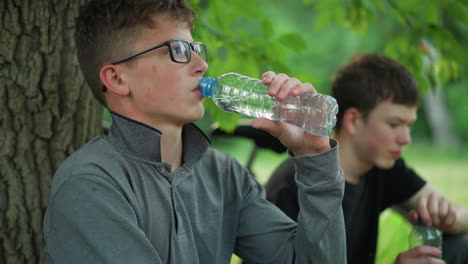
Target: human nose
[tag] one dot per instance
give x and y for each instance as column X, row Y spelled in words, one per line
column 201, row 66
column 404, row 138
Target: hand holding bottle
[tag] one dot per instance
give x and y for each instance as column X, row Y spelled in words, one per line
column 435, row 210
column 425, row 241
column 420, row 255
column 295, row 138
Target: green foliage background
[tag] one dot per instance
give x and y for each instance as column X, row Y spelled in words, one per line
column 309, row 39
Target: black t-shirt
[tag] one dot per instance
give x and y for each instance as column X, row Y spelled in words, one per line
column 362, row 203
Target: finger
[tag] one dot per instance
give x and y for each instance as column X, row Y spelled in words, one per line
column 269, row 126
column 267, row 77
column 413, row 216
column 302, row 89
column 437, row 261
column 290, row 85
column 276, row 84
column 433, row 208
column 443, row 211
column 423, row 212
column 422, row 251
column 450, row 218
column 421, row 254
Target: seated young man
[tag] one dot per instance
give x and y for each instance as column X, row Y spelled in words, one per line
column 153, row 191
column 378, row 99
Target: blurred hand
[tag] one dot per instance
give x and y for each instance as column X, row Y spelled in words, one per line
column 295, row 138
column 420, row 255
column 434, row 210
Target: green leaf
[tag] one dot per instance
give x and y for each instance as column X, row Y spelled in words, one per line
column 275, row 52
column 446, row 42
column 246, row 8
column 323, row 20
column 430, row 14
column 456, row 10
column 242, row 35
column 221, row 15
column 396, row 46
column 372, row 5
column 448, row 70
column 412, row 5
column 329, row 12
column 267, row 28
column 293, row 41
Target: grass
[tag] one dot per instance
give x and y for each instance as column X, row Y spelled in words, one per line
column 444, row 168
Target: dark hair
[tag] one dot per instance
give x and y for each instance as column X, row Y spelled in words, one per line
column 369, row 79
column 105, row 30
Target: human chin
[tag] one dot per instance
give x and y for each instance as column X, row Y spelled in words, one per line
column 385, row 163
column 196, row 114
column 202, row 113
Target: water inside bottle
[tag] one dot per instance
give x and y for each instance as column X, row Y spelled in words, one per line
column 291, row 110
column 252, row 105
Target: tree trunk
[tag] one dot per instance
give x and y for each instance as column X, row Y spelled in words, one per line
column 46, row 112
column 440, row 120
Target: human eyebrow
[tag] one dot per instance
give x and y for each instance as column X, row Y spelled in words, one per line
column 401, row 120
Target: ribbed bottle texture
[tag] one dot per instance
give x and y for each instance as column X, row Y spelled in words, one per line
column 232, row 92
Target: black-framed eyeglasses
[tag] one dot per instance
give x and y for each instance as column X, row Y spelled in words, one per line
column 179, row 50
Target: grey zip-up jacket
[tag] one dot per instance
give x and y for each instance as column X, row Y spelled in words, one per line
column 114, row 201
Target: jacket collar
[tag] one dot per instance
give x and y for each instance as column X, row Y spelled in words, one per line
column 144, row 142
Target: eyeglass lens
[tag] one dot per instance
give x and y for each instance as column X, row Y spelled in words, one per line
column 181, row 51
column 200, row 50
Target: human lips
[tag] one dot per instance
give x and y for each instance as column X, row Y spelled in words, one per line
column 196, row 91
column 396, row 154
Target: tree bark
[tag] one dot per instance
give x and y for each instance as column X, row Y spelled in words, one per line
column 46, row 112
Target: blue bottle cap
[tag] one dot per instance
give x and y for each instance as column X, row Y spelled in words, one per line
column 206, row 86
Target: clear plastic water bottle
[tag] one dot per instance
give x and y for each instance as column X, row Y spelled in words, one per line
column 232, row 92
column 423, row 235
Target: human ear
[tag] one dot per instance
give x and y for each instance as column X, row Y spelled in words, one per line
column 112, row 79
column 352, row 118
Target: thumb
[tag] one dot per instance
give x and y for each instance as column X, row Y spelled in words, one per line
column 413, row 216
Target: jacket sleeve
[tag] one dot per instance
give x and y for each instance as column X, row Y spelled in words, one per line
column 319, row 234
column 90, row 221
